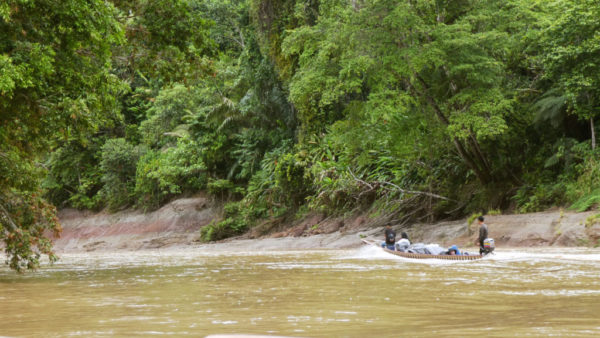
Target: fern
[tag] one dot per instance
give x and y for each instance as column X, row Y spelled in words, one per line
column 551, row 107
column 587, row 201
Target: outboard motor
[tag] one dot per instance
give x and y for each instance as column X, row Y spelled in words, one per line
column 488, row 246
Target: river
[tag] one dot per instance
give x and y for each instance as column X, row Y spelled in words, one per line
column 329, row 293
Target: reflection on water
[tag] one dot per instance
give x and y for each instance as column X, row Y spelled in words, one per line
column 353, row 293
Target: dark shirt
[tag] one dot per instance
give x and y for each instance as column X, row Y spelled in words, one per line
column 483, row 233
column 390, row 236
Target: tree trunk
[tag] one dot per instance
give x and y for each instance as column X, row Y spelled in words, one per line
column 476, row 161
column 593, row 133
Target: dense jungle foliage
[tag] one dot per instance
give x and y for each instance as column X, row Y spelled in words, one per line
column 414, row 109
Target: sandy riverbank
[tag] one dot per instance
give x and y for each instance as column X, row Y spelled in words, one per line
column 178, row 224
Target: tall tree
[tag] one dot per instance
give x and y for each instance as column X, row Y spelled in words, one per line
column 55, row 83
column 446, row 59
column 572, row 44
column 166, row 40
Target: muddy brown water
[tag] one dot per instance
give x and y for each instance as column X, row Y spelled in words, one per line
column 343, row 293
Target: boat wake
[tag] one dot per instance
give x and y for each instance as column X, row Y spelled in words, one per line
column 501, row 255
column 370, row 252
column 546, row 254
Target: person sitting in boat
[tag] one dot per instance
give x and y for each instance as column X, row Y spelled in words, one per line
column 403, row 243
column 453, row 250
column 390, row 238
column 429, row 249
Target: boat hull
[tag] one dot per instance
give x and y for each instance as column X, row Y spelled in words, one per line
column 425, row 256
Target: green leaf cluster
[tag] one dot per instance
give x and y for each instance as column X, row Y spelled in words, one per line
column 56, row 84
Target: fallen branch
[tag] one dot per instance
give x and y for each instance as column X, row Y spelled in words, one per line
column 404, row 191
column 415, row 192
column 359, row 180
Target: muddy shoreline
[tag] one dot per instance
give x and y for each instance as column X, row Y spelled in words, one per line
column 177, row 225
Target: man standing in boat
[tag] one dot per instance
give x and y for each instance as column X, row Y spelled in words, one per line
column 483, row 233
column 390, row 238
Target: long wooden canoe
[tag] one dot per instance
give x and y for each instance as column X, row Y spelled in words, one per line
column 424, row 256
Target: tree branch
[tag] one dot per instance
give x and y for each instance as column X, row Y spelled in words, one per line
column 404, row 191
column 359, row 180
column 482, row 174
column 9, row 221
column 415, row 192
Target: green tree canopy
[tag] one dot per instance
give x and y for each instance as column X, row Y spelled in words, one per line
column 570, row 60
column 55, row 83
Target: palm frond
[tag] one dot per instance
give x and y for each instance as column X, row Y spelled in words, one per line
column 551, row 107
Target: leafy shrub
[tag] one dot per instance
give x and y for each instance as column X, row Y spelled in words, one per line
column 591, row 220
column 577, row 183
column 584, row 193
column 473, row 217
column 337, row 190
column 540, row 197
column 153, row 183
column 220, row 187
column 162, row 174
column 293, row 178
column 587, row 201
column 221, row 230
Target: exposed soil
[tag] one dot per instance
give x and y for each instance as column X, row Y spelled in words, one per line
column 178, row 224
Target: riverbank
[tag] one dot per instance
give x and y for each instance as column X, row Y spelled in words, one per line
column 178, row 225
